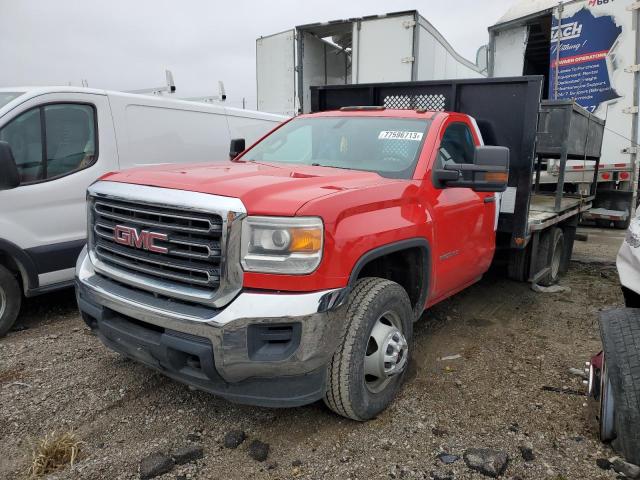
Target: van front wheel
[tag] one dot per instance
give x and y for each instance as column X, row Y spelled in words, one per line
column 10, row 300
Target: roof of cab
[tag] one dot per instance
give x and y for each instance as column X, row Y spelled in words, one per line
column 379, row 112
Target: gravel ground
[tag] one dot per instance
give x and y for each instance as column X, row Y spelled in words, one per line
column 56, row 376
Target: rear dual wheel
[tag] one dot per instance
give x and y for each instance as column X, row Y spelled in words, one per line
column 551, row 254
column 369, row 366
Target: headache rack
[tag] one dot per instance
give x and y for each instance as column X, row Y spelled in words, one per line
column 509, row 113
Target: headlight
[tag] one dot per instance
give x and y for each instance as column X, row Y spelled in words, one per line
column 282, row 245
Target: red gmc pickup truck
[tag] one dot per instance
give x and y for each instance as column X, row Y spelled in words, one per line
column 295, row 271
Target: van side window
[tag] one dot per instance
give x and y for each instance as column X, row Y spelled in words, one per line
column 457, row 145
column 24, row 135
column 52, row 141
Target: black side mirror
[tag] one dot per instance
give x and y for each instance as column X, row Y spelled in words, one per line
column 236, row 148
column 489, row 171
column 9, row 174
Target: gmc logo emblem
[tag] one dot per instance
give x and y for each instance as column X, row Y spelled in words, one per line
column 144, row 239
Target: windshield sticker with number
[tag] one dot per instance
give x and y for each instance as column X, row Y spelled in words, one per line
column 391, row 135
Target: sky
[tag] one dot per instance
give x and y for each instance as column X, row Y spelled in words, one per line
column 128, row 44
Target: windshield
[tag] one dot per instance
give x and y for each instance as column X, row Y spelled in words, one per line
column 6, row 97
column 387, row 146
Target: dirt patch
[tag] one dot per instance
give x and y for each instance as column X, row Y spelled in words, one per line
column 512, row 343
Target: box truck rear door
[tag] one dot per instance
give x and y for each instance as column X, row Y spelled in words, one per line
column 383, row 49
column 276, row 73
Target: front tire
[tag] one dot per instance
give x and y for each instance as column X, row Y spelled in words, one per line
column 10, row 300
column 369, row 366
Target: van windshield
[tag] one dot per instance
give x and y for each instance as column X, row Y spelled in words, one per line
column 6, row 97
column 387, row 146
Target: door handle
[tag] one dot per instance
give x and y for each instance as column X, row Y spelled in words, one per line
column 491, row 199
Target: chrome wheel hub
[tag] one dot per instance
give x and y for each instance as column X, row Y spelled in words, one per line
column 387, row 352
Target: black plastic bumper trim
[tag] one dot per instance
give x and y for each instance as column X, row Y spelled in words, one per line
column 190, row 359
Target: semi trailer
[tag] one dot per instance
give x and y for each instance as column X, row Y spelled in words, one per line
column 587, row 51
column 396, row 47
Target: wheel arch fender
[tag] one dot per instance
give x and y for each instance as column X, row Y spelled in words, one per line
column 24, row 264
column 394, row 248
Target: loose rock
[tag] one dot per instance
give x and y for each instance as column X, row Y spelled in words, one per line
column 154, row 465
column 447, row 458
column 527, row 454
column 629, row 470
column 258, row 450
column 436, row 475
column 234, row 438
column 187, row 454
column 296, row 463
column 491, row 463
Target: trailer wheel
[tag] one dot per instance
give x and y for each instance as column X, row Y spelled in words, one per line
column 620, row 381
column 10, row 300
column 552, row 255
column 369, row 366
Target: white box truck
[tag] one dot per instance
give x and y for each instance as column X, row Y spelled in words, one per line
column 588, row 51
column 56, row 141
column 396, row 47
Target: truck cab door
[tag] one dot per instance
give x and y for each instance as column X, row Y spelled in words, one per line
column 61, row 143
column 464, row 220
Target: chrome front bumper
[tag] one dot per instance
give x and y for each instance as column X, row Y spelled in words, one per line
column 320, row 315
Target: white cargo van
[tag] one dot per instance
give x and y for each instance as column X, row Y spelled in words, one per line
column 56, row 141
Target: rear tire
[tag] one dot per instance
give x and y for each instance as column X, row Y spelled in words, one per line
column 369, row 366
column 600, row 223
column 620, row 331
column 10, row 300
column 518, row 268
column 552, row 255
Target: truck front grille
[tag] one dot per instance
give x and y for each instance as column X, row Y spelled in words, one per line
column 191, row 242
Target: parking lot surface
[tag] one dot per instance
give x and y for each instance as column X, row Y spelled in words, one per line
column 505, row 386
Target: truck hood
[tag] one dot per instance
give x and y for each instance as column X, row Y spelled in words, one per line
column 264, row 188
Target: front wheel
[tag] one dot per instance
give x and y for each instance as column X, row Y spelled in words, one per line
column 10, row 300
column 369, row 366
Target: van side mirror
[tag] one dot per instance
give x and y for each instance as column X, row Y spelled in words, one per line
column 489, row 171
column 236, row 148
column 9, row 174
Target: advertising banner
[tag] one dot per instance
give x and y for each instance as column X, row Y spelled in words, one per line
column 584, row 67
